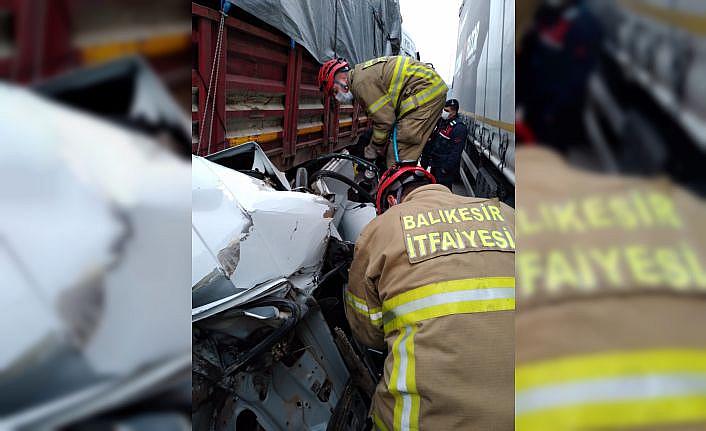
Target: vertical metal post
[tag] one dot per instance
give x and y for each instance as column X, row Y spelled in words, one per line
column 27, row 40
column 354, row 119
column 43, row 41
column 58, row 50
column 291, row 100
column 326, row 120
column 295, row 97
column 205, row 44
column 333, row 142
column 220, row 121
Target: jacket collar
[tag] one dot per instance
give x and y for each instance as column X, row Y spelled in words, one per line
column 424, row 190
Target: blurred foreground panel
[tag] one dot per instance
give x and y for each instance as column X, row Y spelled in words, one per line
column 618, row 86
column 42, row 38
column 94, row 268
column 611, row 262
column 94, row 215
column 611, row 300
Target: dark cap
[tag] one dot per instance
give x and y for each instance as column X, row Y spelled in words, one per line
column 452, row 103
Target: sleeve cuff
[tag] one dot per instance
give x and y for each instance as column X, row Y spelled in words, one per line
column 379, row 136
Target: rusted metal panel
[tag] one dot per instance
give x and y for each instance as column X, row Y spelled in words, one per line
column 270, row 94
column 296, row 94
column 204, row 46
column 219, row 127
column 291, row 101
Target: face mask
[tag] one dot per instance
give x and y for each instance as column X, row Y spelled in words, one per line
column 346, row 97
column 445, row 115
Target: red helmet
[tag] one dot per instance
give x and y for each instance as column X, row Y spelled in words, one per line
column 395, row 178
column 329, row 70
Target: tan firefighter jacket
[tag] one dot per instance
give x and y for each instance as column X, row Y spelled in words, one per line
column 611, row 318
column 433, row 280
column 394, row 87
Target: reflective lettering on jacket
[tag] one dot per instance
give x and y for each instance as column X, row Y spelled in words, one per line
column 478, row 226
column 632, row 239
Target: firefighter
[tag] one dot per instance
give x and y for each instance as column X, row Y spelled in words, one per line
column 432, row 280
column 443, row 151
column 397, row 92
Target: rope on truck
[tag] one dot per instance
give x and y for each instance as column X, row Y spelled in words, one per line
column 215, row 67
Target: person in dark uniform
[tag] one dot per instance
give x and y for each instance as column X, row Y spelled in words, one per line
column 555, row 60
column 443, row 151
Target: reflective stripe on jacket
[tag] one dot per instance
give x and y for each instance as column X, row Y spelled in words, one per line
column 392, row 87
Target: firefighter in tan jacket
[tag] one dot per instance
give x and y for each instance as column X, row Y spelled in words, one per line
column 432, row 280
column 396, row 91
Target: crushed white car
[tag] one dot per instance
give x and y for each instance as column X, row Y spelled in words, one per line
column 271, row 346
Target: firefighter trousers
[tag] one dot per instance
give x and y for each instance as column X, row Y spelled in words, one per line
column 414, row 130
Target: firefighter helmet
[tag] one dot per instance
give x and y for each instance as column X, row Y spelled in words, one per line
column 329, row 70
column 394, row 179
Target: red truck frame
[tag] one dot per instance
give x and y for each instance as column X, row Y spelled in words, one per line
column 259, row 64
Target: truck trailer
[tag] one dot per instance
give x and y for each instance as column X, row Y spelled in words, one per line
column 261, row 85
column 484, row 84
column 645, row 110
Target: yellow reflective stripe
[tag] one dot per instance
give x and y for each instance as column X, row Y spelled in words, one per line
column 402, row 384
column 607, row 365
column 374, row 61
column 392, row 384
column 401, row 71
column 622, row 389
column 375, row 107
column 425, row 95
column 412, row 382
column 398, row 77
column 445, row 287
column 422, row 97
column 376, row 320
column 379, row 424
column 617, row 415
column 379, row 134
column 427, row 76
column 423, row 72
column 356, row 298
column 361, row 307
column 472, row 295
column 474, row 306
column 358, row 304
